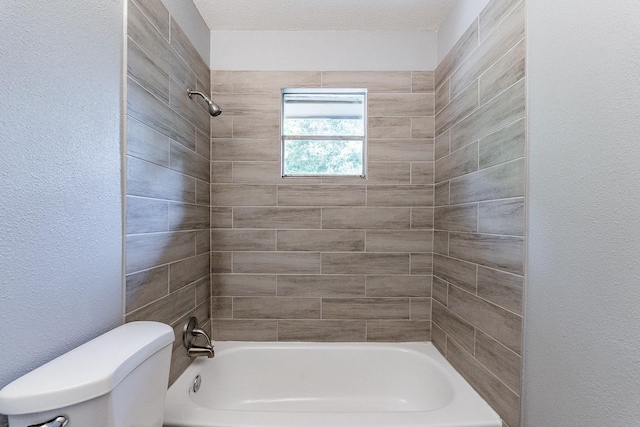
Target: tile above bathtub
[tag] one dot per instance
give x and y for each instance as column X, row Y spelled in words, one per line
column 395, row 150
column 398, row 330
column 322, row 330
column 422, row 173
column 454, row 326
column 499, row 359
column 236, row 149
column 439, row 290
column 145, row 287
column 501, row 288
column 277, row 217
column 399, row 241
column 273, row 81
column 458, row 272
column 369, row 263
column 423, row 127
column 332, row 234
column 500, row 252
column 321, row 285
column 421, row 218
column 168, row 308
column 146, row 179
column 421, row 263
column 188, row 217
column 398, row 286
column 321, row 195
column 423, row 81
column 146, row 215
column 276, row 263
column 221, row 308
column 399, row 195
column 401, row 104
column 244, row 330
column 276, row 308
column 144, row 142
column 502, row 217
column 389, row 127
column 373, row 81
column 457, row 218
column 503, row 181
column 420, row 309
column 496, row 393
column 440, row 242
column 366, row 218
column 365, row 308
column 243, row 195
column 243, row 285
column 243, row 240
column 389, row 173
column 150, row 250
column 495, row 321
column 188, row 270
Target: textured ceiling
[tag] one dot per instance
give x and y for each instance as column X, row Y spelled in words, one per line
column 324, row 15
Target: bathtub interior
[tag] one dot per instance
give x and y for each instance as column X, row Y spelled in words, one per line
column 325, row 385
column 312, row 378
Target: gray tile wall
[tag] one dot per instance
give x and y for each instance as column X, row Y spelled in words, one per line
column 479, row 224
column 332, row 259
column 167, row 176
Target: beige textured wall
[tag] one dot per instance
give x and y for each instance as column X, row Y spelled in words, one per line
column 479, row 216
column 306, row 259
column 167, row 177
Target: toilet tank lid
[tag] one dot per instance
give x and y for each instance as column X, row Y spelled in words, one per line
column 86, row 372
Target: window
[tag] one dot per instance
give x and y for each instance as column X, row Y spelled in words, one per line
column 324, row 132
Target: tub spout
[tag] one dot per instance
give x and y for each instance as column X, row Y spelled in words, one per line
column 190, row 333
column 200, row 352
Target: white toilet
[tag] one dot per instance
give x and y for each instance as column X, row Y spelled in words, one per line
column 118, row 379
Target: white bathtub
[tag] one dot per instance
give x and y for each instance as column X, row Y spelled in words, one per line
column 325, row 385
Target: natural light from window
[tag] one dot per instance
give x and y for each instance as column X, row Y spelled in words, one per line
column 324, row 132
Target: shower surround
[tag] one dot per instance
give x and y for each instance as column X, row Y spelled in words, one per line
column 440, row 215
column 167, row 175
column 322, row 259
column 479, row 217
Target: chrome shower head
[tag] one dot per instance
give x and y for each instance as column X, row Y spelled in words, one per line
column 214, row 109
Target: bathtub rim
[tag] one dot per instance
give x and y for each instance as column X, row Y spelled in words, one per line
column 467, row 408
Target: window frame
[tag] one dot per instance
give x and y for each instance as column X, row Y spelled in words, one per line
column 324, row 91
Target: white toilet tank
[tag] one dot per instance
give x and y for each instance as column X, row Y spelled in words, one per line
column 118, row 379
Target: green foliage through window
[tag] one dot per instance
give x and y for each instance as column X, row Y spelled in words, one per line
column 318, row 157
column 323, row 132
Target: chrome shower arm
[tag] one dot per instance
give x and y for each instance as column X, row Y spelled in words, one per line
column 195, row 92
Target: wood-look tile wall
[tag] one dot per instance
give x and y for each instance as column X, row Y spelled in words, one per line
column 479, row 221
column 331, row 259
column 167, row 176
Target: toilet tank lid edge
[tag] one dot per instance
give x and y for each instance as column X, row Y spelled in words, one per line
column 86, row 372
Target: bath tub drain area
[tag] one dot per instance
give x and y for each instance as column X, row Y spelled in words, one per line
column 325, row 385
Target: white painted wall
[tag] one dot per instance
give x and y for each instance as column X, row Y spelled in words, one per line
column 460, row 16
column 323, row 50
column 582, row 319
column 60, row 185
column 191, row 22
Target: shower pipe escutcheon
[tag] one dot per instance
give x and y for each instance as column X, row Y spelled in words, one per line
column 214, row 109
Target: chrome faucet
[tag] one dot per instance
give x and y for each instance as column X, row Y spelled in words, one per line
column 190, row 334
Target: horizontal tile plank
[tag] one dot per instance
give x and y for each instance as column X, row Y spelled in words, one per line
column 321, row 240
column 322, row 330
column 370, row 263
column 324, row 286
column 365, row 308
